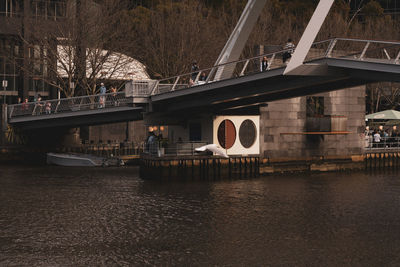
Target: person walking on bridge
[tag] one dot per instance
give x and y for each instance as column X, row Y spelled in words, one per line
column 102, row 99
column 289, row 47
column 264, row 64
column 195, row 72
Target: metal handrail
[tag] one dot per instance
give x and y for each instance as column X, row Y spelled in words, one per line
column 240, row 68
column 366, row 40
column 172, row 149
column 385, row 143
column 71, row 104
column 171, row 83
column 225, row 64
column 212, row 70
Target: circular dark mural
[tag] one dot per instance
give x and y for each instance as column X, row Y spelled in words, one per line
column 247, row 133
column 226, row 134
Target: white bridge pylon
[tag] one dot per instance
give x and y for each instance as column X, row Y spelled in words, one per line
column 309, row 35
column 236, row 42
column 238, row 38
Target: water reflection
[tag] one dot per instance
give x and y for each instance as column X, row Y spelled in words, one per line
column 73, row 216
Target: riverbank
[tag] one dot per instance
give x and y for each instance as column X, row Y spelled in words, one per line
column 312, row 164
column 33, row 155
column 235, row 167
column 22, row 155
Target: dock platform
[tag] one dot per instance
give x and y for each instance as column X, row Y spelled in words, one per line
column 199, row 167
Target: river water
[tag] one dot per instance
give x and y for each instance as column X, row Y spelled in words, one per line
column 56, row 216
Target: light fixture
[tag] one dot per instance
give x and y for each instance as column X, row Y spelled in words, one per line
column 155, row 128
column 162, row 128
column 151, row 129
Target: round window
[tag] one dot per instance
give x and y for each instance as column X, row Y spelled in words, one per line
column 247, row 133
column 226, row 134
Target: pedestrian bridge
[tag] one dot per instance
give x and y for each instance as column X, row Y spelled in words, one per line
column 330, row 65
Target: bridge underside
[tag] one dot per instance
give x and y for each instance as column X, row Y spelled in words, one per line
column 79, row 118
column 242, row 95
column 319, row 76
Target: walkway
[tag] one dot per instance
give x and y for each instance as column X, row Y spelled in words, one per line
column 330, row 65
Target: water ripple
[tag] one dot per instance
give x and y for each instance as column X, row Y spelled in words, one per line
column 52, row 216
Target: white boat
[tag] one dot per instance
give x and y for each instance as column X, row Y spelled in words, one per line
column 80, row 160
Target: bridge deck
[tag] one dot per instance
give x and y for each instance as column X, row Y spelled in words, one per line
column 331, row 65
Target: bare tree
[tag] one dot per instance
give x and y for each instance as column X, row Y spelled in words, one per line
column 74, row 52
column 170, row 36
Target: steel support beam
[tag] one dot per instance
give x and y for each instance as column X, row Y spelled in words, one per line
column 236, row 42
column 309, row 35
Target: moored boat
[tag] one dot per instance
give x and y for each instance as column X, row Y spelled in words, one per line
column 80, row 160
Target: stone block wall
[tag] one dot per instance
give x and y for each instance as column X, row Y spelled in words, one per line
column 282, row 122
column 350, row 103
column 277, row 123
column 117, row 132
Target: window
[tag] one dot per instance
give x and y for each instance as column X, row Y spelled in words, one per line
column 315, row 106
column 3, row 7
column 2, row 65
column 8, row 8
column 226, row 134
column 247, row 133
column 60, row 9
column 48, row 9
column 51, row 10
column 10, row 68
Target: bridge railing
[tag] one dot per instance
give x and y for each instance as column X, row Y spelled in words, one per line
column 139, row 88
column 355, row 49
column 344, row 48
column 204, row 76
column 72, row 104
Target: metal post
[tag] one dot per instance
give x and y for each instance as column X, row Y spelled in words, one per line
column 152, row 91
column 330, row 48
column 5, row 83
column 396, row 61
column 271, row 61
column 244, row 67
column 386, row 53
column 364, row 50
column 197, row 77
column 175, row 83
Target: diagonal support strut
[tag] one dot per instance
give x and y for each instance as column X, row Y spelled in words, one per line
column 309, row 36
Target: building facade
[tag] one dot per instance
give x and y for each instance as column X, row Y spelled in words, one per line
column 22, row 64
